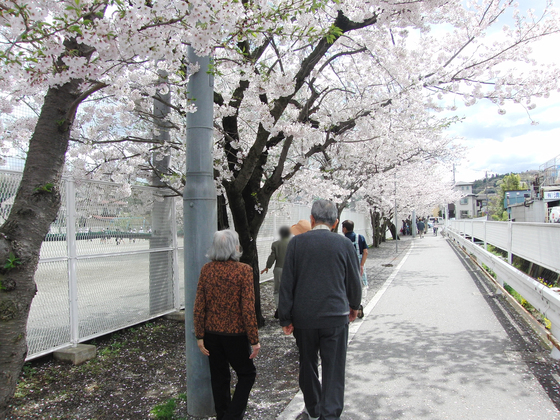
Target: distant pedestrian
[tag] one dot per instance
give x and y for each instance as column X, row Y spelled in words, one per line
column 320, row 294
column 276, row 258
column 420, row 225
column 360, row 245
column 225, row 324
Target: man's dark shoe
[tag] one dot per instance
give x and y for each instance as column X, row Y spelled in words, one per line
column 361, row 312
column 304, row 415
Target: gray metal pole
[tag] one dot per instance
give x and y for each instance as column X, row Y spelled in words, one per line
column 200, row 221
column 161, row 263
column 396, row 218
column 486, row 190
column 72, row 260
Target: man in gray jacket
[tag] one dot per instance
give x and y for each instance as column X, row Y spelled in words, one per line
column 320, row 294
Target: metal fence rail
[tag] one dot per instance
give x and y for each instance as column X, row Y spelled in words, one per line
column 535, row 242
column 114, row 257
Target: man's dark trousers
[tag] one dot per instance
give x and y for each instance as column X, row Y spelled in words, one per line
column 331, row 344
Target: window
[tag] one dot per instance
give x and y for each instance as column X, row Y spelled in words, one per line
column 464, row 200
column 464, row 214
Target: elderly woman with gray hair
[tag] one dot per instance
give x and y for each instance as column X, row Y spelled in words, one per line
column 226, row 325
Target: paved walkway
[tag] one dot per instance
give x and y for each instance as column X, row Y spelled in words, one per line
column 431, row 347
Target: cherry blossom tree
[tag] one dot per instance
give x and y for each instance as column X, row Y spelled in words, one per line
column 360, row 169
column 282, row 100
column 421, row 186
column 329, row 73
column 57, row 55
column 285, row 96
column 365, row 155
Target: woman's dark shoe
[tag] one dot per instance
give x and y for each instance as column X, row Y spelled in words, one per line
column 276, row 314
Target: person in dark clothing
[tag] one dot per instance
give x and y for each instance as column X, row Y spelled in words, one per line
column 421, row 226
column 360, row 245
column 320, row 294
column 276, row 258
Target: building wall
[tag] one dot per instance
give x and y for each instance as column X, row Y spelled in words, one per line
column 536, row 212
column 465, row 208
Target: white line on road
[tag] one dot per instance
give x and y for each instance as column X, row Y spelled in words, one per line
column 355, row 326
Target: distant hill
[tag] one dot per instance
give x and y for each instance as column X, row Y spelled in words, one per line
column 480, row 184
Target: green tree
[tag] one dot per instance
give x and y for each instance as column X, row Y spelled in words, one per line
column 511, row 182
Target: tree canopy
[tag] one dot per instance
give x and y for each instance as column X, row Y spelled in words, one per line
column 328, row 97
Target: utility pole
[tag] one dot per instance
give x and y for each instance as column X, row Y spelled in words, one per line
column 453, row 174
column 487, row 206
column 161, row 263
column 200, row 220
column 396, row 218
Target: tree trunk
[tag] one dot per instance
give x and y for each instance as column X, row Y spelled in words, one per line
column 35, row 207
column 248, row 213
column 374, row 218
column 384, row 233
column 250, row 256
column 223, row 221
column 393, row 229
column 340, row 208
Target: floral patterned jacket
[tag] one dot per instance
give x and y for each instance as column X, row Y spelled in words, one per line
column 225, row 301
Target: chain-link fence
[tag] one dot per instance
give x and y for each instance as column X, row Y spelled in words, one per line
column 114, row 258
column 110, row 260
column 551, row 172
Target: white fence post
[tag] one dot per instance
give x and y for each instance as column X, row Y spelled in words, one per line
column 72, row 260
column 485, row 244
column 175, row 255
column 509, row 242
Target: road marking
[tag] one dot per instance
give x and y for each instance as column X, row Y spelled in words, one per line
column 355, row 326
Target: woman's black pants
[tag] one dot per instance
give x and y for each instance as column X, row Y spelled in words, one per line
column 226, row 350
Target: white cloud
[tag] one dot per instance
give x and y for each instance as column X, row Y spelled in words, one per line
column 514, row 154
column 510, row 143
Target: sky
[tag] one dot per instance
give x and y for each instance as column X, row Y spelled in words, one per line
column 510, row 143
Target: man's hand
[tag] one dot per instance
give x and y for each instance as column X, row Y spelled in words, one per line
column 353, row 315
column 203, row 349
column 264, row 271
column 256, row 349
column 288, row 330
column 361, row 270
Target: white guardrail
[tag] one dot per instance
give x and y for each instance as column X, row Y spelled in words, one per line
column 535, row 242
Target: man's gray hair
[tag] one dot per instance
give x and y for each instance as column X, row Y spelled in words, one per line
column 225, row 246
column 324, row 211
